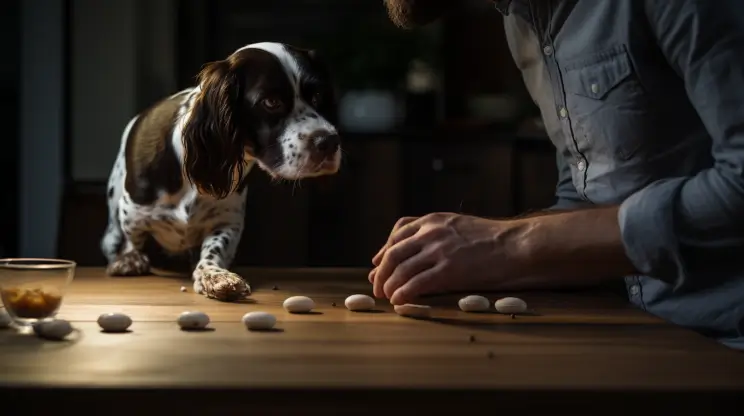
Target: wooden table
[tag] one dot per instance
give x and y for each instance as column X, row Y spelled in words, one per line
column 586, row 349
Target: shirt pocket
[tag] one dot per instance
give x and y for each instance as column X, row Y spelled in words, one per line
column 607, row 105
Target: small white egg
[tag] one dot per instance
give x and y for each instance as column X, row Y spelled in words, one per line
column 298, row 304
column 55, row 329
column 510, row 305
column 114, row 322
column 183, row 288
column 413, row 311
column 193, row 320
column 359, row 303
column 474, row 303
column 259, row 321
column 5, row 319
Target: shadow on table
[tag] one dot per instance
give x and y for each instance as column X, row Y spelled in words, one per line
column 13, row 338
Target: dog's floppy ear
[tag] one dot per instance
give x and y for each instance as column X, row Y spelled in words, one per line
column 213, row 146
column 321, row 67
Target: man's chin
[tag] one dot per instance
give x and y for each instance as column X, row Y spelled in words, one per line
column 411, row 14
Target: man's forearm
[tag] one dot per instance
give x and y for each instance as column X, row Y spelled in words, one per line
column 576, row 247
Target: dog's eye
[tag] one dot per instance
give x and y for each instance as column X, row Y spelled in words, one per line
column 272, row 104
column 316, row 99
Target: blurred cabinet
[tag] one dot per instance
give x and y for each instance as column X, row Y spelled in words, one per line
column 471, row 177
column 534, row 174
column 276, row 223
column 353, row 211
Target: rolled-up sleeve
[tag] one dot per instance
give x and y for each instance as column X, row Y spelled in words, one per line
column 687, row 230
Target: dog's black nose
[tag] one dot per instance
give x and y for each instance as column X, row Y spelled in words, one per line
column 328, row 145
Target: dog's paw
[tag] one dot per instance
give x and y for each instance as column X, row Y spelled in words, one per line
column 220, row 284
column 132, row 263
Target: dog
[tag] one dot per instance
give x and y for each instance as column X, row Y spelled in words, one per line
column 177, row 189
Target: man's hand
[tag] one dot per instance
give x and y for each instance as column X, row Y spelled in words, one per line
column 450, row 252
column 445, row 252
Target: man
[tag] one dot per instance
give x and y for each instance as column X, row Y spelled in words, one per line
column 644, row 101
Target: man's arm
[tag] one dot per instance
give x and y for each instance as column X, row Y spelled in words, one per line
column 682, row 230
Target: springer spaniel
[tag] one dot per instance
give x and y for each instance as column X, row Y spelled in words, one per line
column 177, row 189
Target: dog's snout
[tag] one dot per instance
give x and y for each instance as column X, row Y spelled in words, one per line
column 328, row 144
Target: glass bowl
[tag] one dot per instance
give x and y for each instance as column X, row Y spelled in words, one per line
column 32, row 289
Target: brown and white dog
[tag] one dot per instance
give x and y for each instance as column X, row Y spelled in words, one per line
column 176, row 194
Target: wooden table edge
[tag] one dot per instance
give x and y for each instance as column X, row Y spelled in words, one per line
column 363, row 401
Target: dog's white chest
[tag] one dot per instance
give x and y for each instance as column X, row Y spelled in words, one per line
column 171, row 228
column 180, row 227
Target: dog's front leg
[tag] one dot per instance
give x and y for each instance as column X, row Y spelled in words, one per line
column 211, row 276
column 131, row 261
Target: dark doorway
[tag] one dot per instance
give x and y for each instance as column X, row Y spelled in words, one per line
column 10, row 44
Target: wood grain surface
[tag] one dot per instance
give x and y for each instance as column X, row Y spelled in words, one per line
column 569, row 347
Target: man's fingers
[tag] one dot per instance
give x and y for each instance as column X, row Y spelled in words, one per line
column 404, row 232
column 371, row 275
column 390, row 260
column 406, row 270
column 398, row 224
column 378, row 257
column 403, row 221
column 425, row 282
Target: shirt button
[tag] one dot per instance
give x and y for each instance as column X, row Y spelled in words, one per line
column 595, row 88
column 548, row 50
column 634, row 290
column 563, row 112
column 581, row 165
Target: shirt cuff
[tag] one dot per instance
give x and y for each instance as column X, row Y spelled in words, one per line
column 647, row 226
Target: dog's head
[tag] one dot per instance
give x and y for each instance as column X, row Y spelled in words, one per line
column 267, row 102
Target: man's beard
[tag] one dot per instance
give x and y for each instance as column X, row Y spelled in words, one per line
column 408, row 14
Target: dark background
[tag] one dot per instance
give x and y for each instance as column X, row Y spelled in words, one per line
column 73, row 72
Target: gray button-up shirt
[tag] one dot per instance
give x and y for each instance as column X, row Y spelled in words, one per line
column 644, row 101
